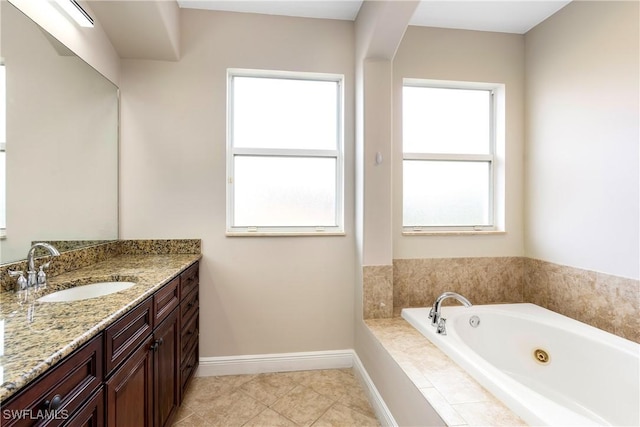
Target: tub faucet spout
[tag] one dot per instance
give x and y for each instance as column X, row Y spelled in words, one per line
column 436, row 317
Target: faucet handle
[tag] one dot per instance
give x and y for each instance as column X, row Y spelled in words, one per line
column 15, row 273
column 42, row 277
column 22, row 281
column 442, row 328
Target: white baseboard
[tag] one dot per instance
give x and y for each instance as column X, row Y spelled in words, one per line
column 379, row 406
column 280, row 362
column 307, row 361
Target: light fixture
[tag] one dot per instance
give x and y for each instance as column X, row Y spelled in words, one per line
column 75, row 11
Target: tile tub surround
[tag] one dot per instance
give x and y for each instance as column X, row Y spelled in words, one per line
column 610, row 303
column 378, row 291
column 86, row 256
column 38, row 336
column 457, row 398
column 418, row 282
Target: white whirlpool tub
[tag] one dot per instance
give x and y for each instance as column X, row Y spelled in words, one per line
column 547, row 368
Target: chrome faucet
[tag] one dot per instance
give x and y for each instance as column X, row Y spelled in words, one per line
column 35, row 278
column 436, row 317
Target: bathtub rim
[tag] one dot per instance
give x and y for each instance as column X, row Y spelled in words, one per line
column 497, row 382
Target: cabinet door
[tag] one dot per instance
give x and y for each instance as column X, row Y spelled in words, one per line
column 166, row 369
column 130, row 390
column 91, row 414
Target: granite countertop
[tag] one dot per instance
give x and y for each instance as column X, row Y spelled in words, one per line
column 34, row 336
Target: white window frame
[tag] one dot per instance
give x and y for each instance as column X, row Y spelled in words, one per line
column 490, row 158
column 337, row 154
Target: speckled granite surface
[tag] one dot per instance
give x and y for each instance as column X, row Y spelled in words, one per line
column 37, row 335
column 79, row 258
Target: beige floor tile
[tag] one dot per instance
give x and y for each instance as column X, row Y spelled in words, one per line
column 183, row 412
column 333, row 383
column 242, row 400
column 270, row 418
column 302, row 405
column 356, row 398
column 192, row 420
column 229, row 410
column 203, row 389
column 267, row 388
column 341, row 416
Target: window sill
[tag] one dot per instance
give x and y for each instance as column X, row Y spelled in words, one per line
column 453, row 233
column 283, row 234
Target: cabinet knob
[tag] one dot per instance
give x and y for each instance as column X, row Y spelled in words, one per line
column 156, row 343
column 53, row 404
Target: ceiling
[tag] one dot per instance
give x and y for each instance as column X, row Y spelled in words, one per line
column 507, row 16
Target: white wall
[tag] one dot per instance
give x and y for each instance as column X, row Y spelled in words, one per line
column 443, row 54
column 258, row 294
column 582, row 181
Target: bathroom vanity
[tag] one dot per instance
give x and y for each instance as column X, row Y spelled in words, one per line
column 119, row 360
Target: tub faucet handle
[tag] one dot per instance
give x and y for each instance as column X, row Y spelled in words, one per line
column 441, row 328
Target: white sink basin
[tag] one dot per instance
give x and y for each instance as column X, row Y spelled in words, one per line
column 93, row 290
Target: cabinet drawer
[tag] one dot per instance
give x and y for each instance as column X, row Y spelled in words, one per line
column 189, row 335
column 189, row 305
column 61, row 392
column 189, row 280
column 165, row 300
column 122, row 337
column 91, row 414
column 188, row 368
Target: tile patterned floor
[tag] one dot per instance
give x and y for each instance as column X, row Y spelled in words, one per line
column 324, row 398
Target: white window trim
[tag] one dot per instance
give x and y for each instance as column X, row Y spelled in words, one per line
column 338, row 154
column 496, row 204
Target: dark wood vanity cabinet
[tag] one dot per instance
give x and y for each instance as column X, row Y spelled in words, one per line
column 55, row 398
column 189, row 325
column 132, row 374
column 154, row 372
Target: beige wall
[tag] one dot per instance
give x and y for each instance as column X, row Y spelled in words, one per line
column 442, row 54
column 258, row 295
column 90, row 44
column 62, row 142
column 582, row 180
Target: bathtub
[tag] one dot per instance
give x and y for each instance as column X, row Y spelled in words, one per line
column 547, row 368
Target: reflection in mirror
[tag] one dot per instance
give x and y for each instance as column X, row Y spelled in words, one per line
column 60, row 173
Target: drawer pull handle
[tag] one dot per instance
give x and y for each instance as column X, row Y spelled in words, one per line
column 53, row 404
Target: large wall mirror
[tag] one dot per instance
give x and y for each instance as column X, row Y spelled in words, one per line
column 58, row 142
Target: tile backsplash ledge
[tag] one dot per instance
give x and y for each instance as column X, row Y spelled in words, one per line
column 607, row 302
column 83, row 257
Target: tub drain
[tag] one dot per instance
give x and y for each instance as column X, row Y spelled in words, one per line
column 541, row 356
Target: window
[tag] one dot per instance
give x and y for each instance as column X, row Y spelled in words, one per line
column 448, row 156
column 284, row 154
